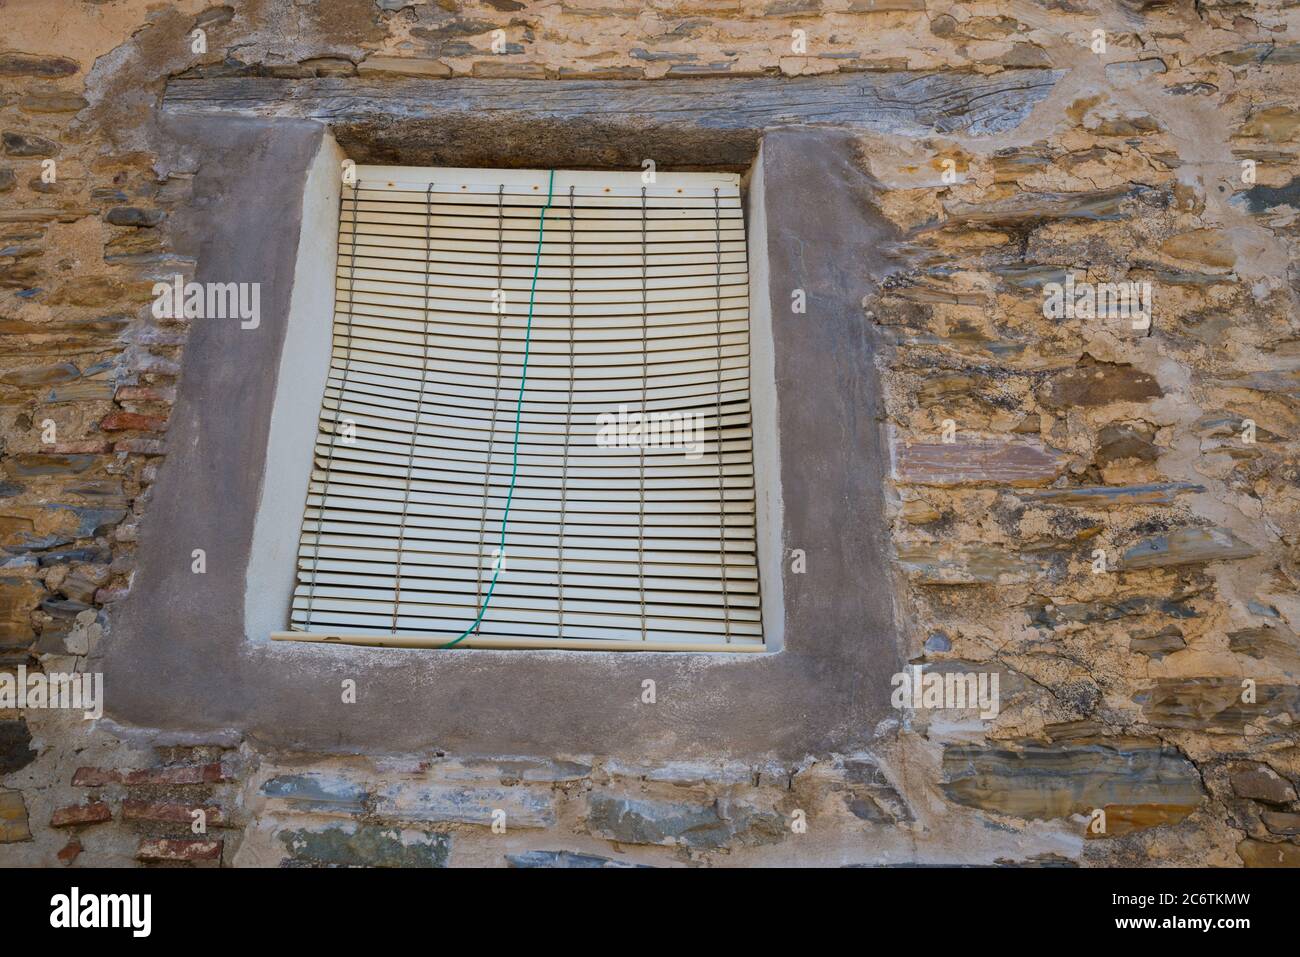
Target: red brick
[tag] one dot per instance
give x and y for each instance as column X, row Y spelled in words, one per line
column 70, row 851
column 170, row 849
column 144, row 393
column 132, row 421
column 94, row 813
column 170, row 813
column 177, row 774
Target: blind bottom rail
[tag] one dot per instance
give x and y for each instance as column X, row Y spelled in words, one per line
column 538, row 644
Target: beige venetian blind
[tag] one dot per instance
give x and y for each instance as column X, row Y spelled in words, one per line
column 641, row 309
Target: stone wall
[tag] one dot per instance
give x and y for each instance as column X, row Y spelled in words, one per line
column 1159, row 688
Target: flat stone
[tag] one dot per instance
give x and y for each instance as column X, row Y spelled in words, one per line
column 792, row 8
column 52, row 101
column 19, row 276
column 214, row 17
column 1039, row 781
column 529, row 770
column 18, row 598
column 402, row 66
column 1125, row 123
column 13, row 818
column 313, row 791
column 30, row 64
column 1109, row 496
column 499, row 70
column 633, row 821
column 134, row 216
column 46, row 214
column 41, row 375
column 1261, row 854
column 92, row 521
column 1213, row 705
column 686, row 773
column 365, row 845
column 1027, row 207
column 36, row 527
column 1275, row 124
column 1123, row 443
column 1010, row 165
column 886, row 6
column 1186, row 546
column 1277, row 645
column 1128, row 72
column 1053, row 615
column 1124, row 819
column 1093, row 383
column 1259, row 782
column 1205, row 247
column 1268, row 380
column 451, row 29
column 1282, row 822
column 465, row 805
column 330, row 66
column 602, row 73
column 563, row 859
column 1023, row 462
column 933, row 564
column 82, row 583
column 28, row 144
column 1163, row 642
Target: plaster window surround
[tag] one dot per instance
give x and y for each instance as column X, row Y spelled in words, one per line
column 817, row 453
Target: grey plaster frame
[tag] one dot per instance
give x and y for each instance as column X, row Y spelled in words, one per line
column 179, row 657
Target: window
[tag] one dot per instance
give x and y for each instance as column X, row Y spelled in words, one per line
column 535, row 437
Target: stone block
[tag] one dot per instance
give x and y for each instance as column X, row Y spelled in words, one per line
column 13, row 818
column 1040, row 781
column 465, row 805
column 716, row 825
column 365, row 845
column 1023, row 462
column 318, row 792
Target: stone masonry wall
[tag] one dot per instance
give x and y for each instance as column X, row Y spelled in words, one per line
column 1160, row 688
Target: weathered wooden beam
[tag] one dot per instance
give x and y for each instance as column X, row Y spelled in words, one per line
column 714, row 121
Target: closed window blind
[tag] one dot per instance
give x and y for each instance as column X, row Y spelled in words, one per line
column 631, row 522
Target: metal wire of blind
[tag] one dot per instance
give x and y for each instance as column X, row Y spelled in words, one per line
column 641, row 310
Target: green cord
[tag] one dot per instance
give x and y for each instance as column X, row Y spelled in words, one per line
column 519, row 411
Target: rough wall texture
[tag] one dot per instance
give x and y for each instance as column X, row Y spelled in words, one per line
column 1124, row 691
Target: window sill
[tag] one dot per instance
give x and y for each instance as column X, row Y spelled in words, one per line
column 501, row 644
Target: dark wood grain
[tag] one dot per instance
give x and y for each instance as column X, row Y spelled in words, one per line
column 602, row 121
